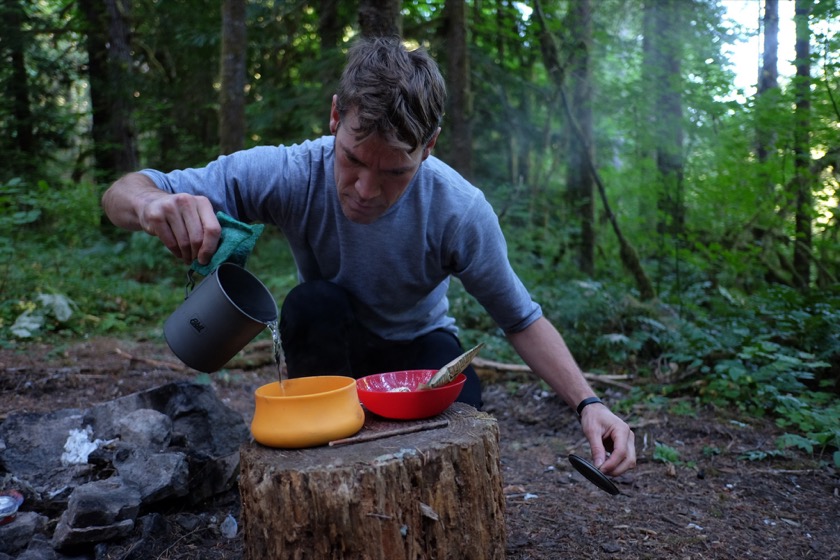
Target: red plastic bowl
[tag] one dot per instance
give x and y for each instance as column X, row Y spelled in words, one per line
column 381, row 394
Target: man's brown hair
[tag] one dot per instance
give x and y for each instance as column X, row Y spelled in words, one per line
column 399, row 94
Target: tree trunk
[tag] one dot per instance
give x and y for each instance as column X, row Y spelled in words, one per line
column 519, row 137
column 458, row 88
column 109, row 70
column 333, row 19
column 119, row 77
column 802, row 156
column 551, row 60
column 380, row 18
column 768, row 86
column 232, row 94
column 24, row 142
column 579, row 182
column 768, row 78
column 97, row 49
column 435, row 493
column 662, row 47
column 329, row 24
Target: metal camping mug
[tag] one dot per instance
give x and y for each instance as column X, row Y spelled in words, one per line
column 219, row 317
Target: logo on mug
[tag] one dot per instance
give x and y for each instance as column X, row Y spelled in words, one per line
column 196, row 323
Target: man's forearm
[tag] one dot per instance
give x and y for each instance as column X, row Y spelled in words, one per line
column 610, row 438
column 124, row 199
column 546, row 353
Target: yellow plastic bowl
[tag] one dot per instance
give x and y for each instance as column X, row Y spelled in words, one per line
column 307, row 412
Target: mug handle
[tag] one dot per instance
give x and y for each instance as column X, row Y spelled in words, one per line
column 190, row 283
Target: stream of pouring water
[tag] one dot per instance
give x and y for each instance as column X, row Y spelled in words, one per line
column 274, row 327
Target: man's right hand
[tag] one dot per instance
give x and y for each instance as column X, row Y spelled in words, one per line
column 186, row 224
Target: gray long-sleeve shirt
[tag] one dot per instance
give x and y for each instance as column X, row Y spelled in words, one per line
column 398, row 267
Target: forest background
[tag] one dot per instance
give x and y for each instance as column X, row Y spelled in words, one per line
column 681, row 231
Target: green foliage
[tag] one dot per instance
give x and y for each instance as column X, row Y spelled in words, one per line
column 221, row 377
column 760, row 455
column 60, row 275
column 19, row 206
column 65, row 211
column 603, row 325
column 40, row 72
column 665, row 454
column 777, row 351
column 45, row 308
column 669, row 455
column 176, row 101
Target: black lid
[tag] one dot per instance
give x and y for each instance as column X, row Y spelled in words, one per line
column 593, row 475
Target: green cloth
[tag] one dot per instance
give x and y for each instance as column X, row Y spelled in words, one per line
column 235, row 246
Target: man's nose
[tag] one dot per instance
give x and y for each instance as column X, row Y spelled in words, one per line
column 367, row 186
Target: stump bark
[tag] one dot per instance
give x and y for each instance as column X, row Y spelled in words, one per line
column 435, row 493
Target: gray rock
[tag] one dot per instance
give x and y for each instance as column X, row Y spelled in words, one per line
column 200, row 420
column 15, row 535
column 34, row 442
column 156, row 476
column 153, row 529
column 153, row 526
column 188, row 521
column 146, row 428
column 229, row 527
column 218, row 474
column 39, row 549
column 68, row 537
column 177, row 440
column 103, row 502
column 32, row 448
column 98, row 511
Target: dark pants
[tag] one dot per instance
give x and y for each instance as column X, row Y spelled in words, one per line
column 321, row 336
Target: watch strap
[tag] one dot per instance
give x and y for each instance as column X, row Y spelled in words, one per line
column 586, row 402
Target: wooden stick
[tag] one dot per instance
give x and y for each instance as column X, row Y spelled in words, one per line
column 395, row 432
column 606, row 379
column 151, row 362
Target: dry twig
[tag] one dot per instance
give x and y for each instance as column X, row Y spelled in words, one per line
column 151, row 362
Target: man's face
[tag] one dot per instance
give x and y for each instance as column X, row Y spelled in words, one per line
column 370, row 175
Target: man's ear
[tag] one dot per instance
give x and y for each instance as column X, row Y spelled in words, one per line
column 334, row 118
column 427, row 150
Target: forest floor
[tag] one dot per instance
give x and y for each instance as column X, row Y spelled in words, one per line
column 712, row 502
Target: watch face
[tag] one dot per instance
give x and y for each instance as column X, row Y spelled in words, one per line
column 593, row 475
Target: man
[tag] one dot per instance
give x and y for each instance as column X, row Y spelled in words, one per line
column 377, row 226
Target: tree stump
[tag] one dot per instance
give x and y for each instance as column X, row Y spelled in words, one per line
column 434, row 493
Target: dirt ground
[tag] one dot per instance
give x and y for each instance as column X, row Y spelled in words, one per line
column 711, row 503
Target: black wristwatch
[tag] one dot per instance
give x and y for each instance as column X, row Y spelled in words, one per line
column 586, row 402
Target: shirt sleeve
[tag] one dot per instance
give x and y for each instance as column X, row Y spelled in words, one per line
column 479, row 258
column 250, row 185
